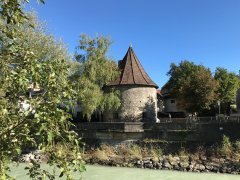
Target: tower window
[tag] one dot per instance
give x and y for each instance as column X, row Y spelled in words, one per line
column 144, row 115
column 172, row 101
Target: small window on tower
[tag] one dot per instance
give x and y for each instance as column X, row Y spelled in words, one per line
column 172, row 101
column 144, row 115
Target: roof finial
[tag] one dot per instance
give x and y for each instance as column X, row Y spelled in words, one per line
column 130, row 44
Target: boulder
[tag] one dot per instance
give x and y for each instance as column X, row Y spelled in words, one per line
column 183, row 165
column 166, row 164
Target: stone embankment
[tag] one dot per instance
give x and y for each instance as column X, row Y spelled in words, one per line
column 169, row 162
column 36, row 156
column 221, row 165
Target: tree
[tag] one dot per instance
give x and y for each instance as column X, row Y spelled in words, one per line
column 192, row 85
column 228, row 85
column 94, row 70
column 30, row 56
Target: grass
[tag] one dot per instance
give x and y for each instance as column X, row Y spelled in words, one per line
column 124, row 154
column 129, row 152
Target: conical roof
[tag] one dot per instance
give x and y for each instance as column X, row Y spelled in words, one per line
column 132, row 72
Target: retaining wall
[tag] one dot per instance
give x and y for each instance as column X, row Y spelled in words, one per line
column 132, row 131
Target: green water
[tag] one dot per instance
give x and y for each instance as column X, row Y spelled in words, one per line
column 117, row 173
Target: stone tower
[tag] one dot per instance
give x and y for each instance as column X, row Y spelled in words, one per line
column 138, row 92
column 238, row 100
column 238, row 97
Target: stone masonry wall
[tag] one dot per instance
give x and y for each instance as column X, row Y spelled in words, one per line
column 238, row 100
column 170, row 132
column 138, row 104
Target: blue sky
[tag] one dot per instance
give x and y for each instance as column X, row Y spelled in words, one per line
column 161, row 31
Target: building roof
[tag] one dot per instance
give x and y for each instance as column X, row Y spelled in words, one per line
column 132, row 72
column 159, row 92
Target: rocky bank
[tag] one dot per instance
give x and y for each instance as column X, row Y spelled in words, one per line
column 217, row 165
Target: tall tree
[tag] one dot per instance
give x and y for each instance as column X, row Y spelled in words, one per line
column 30, row 56
column 94, row 70
column 228, row 85
column 192, row 85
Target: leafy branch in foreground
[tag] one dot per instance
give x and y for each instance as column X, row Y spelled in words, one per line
column 32, row 59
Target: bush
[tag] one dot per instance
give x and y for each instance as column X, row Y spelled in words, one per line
column 108, row 149
column 226, row 147
column 156, row 153
column 100, row 155
column 237, row 150
column 135, row 150
column 237, row 146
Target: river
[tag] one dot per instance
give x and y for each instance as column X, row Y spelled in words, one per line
column 117, row 173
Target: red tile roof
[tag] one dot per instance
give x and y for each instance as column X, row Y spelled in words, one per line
column 132, row 72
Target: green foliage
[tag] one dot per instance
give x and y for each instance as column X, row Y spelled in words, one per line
column 233, row 107
column 124, row 153
column 236, row 152
column 192, row 85
column 226, row 146
column 237, row 144
column 96, row 65
column 94, row 70
column 35, row 172
column 228, row 85
column 182, row 152
column 156, row 152
column 31, row 57
column 135, row 151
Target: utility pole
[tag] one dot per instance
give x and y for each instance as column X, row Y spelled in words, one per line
column 219, row 107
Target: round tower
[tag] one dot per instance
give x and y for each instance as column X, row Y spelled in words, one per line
column 138, row 92
column 238, row 100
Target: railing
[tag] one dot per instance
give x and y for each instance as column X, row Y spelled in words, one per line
column 184, row 123
column 201, row 119
column 234, row 119
column 111, row 126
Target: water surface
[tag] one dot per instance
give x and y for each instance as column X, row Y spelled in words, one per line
column 117, row 173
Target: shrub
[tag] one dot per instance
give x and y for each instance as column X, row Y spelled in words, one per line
column 237, row 150
column 122, row 150
column 108, row 149
column 200, row 152
column 226, row 146
column 183, row 155
column 237, row 145
column 100, row 155
column 135, row 150
column 156, row 153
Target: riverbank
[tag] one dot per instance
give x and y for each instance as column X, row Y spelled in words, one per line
column 169, row 162
column 222, row 158
column 152, row 154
